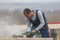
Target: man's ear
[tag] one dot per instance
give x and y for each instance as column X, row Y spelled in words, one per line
column 32, row 10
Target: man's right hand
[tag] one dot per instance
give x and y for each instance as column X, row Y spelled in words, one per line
column 30, row 34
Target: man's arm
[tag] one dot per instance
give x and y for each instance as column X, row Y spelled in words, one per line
column 28, row 26
column 40, row 16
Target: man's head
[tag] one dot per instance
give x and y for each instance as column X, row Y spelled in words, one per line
column 28, row 13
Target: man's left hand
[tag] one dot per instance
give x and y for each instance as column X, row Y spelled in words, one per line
column 34, row 31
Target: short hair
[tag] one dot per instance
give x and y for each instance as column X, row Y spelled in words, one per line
column 26, row 10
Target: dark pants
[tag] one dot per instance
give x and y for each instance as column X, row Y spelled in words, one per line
column 44, row 32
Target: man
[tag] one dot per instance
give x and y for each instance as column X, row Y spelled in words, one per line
column 36, row 22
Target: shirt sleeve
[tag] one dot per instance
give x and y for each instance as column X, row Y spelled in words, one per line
column 40, row 16
column 28, row 26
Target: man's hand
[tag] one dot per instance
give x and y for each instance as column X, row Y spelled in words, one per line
column 30, row 34
column 34, row 31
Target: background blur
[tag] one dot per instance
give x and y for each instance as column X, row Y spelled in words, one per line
column 12, row 13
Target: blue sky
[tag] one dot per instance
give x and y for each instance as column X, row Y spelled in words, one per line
column 39, row 4
column 27, row 1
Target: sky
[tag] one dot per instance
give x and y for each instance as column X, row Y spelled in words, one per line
column 27, row 1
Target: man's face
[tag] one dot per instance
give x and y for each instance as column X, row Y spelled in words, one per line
column 29, row 15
